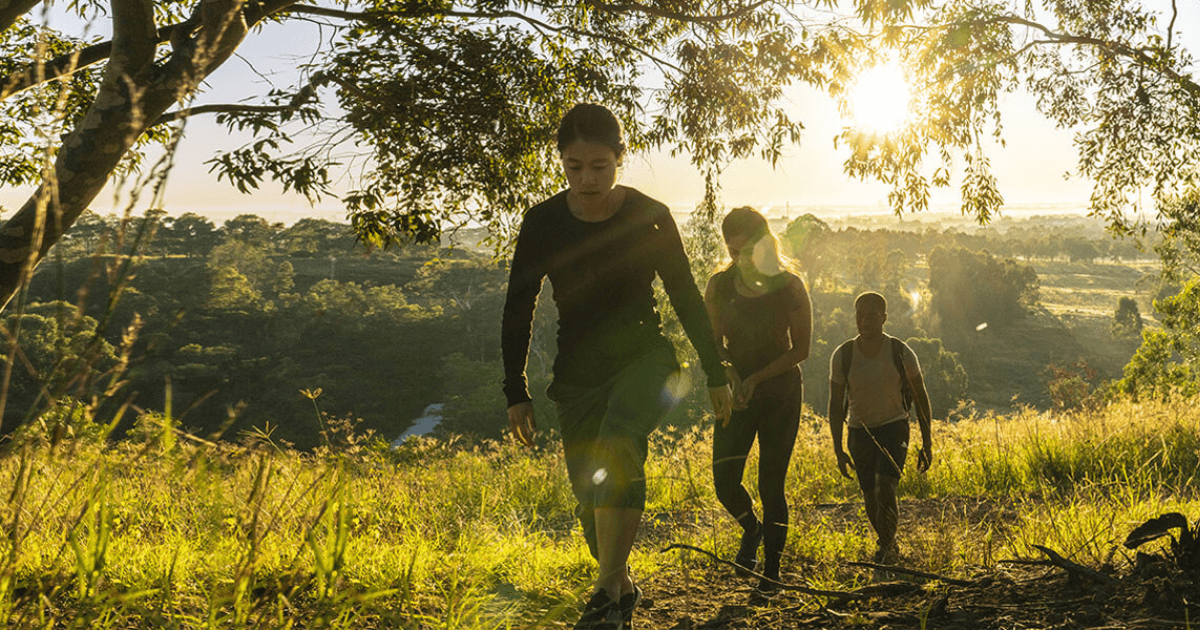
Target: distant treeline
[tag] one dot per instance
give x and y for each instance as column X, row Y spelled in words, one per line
column 253, row 326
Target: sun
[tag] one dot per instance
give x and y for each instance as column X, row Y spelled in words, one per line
column 879, row 99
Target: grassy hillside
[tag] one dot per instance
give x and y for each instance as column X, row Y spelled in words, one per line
column 170, row 532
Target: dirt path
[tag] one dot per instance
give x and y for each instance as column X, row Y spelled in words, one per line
column 1004, row 598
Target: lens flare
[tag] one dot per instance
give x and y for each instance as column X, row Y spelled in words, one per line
column 675, row 389
column 599, row 476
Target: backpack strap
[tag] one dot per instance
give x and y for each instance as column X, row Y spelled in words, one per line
column 847, row 350
column 898, row 348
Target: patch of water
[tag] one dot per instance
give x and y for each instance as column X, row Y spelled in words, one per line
column 427, row 422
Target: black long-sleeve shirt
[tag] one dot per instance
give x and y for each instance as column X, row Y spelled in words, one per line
column 602, row 274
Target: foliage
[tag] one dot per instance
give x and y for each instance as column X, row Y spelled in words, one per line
column 945, row 378
column 475, row 400
column 1127, row 321
column 53, row 351
column 1072, row 387
column 1179, row 247
column 1169, row 357
column 463, row 133
column 974, row 288
column 377, row 331
column 1106, row 70
column 441, row 115
column 806, row 240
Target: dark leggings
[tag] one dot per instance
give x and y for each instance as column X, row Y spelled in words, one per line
column 774, row 416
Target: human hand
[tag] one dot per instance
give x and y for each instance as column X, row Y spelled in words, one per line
column 925, row 457
column 722, row 402
column 735, row 380
column 744, row 392
column 522, row 423
column 845, row 464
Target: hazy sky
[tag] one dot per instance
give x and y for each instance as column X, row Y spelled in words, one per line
column 1029, row 169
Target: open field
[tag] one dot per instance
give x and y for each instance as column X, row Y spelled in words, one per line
column 178, row 534
column 1093, row 289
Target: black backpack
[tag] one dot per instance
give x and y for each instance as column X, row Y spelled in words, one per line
column 898, row 347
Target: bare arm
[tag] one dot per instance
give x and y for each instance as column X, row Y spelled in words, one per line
column 924, row 420
column 837, row 421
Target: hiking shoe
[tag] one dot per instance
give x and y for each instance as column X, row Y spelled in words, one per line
column 629, row 602
column 747, row 555
column 600, row 613
column 768, row 588
column 887, row 555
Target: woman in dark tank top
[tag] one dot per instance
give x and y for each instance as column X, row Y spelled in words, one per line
column 763, row 323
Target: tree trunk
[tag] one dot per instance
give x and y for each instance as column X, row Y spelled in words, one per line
column 134, row 93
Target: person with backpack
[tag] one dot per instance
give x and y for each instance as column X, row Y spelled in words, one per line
column 762, row 318
column 874, row 382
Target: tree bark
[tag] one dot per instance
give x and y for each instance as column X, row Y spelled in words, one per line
column 12, row 10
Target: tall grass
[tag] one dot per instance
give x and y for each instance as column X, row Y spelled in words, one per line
column 442, row 534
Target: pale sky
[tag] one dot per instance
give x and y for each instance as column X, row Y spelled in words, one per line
column 809, row 178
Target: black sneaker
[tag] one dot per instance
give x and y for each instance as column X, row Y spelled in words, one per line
column 767, row 588
column 629, row 602
column 889, row 554
column 747, row 555
column 600, row 613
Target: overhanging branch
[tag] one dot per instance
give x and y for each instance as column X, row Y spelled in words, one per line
column 12, row 10
column 1139, row 56
column 221, row 108
column 540, row 25
column 675, row 15
column 626, row 7
column 66, row 65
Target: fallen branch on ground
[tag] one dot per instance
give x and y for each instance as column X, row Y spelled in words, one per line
column 913, row 572
column 782, row 585
column 1076, row 569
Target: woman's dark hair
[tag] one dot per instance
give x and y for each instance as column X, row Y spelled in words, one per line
column 744, row 221
column 750, row 223
column 592, row 123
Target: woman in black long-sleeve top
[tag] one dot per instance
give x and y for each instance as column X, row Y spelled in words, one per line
column 602, row 245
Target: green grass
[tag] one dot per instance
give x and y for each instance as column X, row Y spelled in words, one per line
column 447, row 535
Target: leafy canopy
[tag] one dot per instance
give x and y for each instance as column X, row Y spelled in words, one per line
column 435, row 114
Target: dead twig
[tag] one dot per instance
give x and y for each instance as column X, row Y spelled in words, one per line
column 913, row 572
column 1075, row 568
column 782, row 585
column 1027, row 563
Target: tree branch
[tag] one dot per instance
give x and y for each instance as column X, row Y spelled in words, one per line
column 70, row 63
column 1075, row 569
column 302, row 96
column 913, row 572
column 220, row 108
column 1171, row 26
column 12, row 10
column 1139, row 56
column 485, row 15
column 673, row 15
column 134, row 92
column 783, row 585
column 628, row 7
